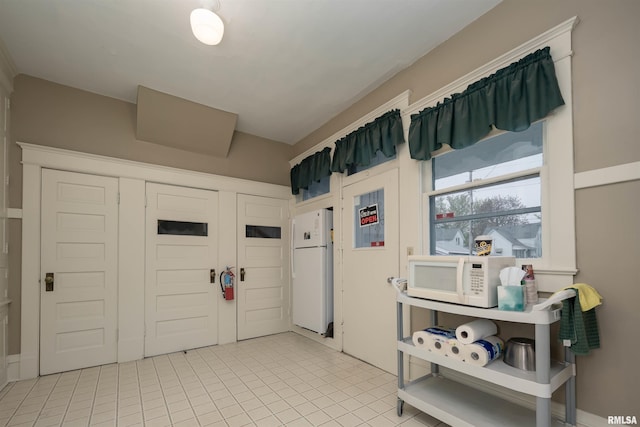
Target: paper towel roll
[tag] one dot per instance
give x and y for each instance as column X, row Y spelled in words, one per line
column 483, row 351
column 439, row 344
column 444, row 332
column 476, row 330
column 439, row 339
column 430, row 342
column 455, row 349
column 422, row 339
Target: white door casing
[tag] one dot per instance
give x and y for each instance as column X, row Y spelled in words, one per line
column 79, row 229
column 180, row 300
column 369, row 308
column 263, row 295
column 4, row 190
column 4, row 343
column 4, row 237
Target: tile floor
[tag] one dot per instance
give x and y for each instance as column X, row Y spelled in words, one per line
column 279, row 380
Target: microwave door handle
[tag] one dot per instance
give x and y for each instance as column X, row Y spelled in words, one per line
column 459, row 280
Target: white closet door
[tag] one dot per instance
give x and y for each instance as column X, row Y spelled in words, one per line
column 78, row 271
column 263, row 255
column 182, row 240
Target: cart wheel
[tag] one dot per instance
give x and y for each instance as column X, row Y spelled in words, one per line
column 400, row 407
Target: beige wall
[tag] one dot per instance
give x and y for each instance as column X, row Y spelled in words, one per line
column 50, row 114
column 606, row 66
column 54, row 115
column 607, row 234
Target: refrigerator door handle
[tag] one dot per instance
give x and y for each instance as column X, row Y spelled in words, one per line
column 291, row 249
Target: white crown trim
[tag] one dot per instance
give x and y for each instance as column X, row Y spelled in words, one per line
column 558, row 52
column 401, row 102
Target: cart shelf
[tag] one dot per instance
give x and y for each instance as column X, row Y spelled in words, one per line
column 461, row 405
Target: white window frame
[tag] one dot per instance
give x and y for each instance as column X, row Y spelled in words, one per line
column 557, row 266
column 501, row 179
column 300, row 196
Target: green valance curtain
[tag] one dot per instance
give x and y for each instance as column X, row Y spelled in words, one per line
column 360, row 146
column 511, row 99
column 310, row 169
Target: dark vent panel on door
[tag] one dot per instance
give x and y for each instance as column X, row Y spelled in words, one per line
column 182, row 228
column 263, row 232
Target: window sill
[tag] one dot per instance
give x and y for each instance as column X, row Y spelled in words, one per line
column 552, row 280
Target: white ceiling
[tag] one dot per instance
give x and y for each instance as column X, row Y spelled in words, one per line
column 284, row 66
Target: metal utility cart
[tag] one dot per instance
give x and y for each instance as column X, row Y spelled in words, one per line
column 461, row 405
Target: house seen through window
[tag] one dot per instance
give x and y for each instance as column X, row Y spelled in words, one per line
column 490, row 188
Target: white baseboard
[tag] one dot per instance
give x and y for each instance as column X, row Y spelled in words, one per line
column 13, row 367
column 329, row 342
column 587, row 419
column 419, row 367
column 29, row 366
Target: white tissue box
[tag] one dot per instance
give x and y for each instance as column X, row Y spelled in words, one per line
column 511, row 298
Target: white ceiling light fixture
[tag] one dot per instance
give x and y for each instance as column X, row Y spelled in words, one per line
column 207, row 27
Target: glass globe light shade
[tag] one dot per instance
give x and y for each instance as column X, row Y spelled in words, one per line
column 207, row 26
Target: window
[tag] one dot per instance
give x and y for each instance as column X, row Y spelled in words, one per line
column 490, row 188
column 315, row 189
column 369, row 220
column 553, row 250
column 379, row 159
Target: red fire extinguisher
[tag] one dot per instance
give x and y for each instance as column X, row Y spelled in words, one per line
column 226, row 283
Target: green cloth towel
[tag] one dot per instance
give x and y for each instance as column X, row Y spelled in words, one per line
column 580, row 328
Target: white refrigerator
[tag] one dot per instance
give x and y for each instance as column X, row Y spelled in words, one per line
column 312, row 270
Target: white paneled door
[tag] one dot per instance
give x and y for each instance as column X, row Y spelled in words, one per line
column 78, row 271
column 262, row 275
column 181, row 255
column 370, row 255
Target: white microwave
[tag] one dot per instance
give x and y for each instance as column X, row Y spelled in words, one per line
column 467, row 280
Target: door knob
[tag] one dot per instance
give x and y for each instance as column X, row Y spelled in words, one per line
column 242, row 274
column 48, row 282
